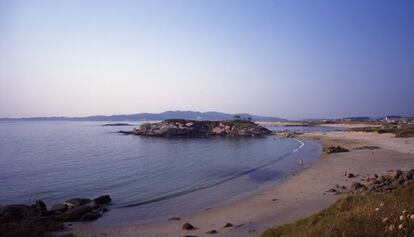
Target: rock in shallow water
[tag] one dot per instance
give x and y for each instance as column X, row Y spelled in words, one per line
column 59, row 208
column 75, row 214
column 77, row 202
column 103, row 200
column 90, row 216
column 40, row 207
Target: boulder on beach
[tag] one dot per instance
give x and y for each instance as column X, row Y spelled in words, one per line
column 393, row 174
column 351, row 175
column 384, row 183
column 335, row 149
column 228, row 224
column 188, row 226
column 212, row 232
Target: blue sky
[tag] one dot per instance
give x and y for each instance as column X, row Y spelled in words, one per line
column 292, row 59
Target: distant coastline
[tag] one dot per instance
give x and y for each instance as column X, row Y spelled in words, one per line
column 192, row 115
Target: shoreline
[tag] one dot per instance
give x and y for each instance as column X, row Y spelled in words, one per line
column 298, row 196
column 228, row 191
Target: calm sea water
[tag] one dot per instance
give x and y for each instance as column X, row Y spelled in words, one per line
column 148, row 178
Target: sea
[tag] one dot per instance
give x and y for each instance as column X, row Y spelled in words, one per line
column 148, row 178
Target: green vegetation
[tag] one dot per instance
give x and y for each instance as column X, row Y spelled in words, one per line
column 403, row 130
column 373, row 215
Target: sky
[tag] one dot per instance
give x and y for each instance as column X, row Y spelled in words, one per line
column 291, row 59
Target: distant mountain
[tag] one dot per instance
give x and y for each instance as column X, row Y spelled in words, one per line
column 194, row 115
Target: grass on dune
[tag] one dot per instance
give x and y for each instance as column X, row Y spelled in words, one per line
column 399, row 130
column 358, row 216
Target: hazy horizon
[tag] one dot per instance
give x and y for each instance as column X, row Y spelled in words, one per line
column 288, row 59
column 262, row 115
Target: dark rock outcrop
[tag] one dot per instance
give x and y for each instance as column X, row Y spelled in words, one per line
column 228, row 224
column 193, row 128
column 356, row 186
column 90, row 216
column 59, row 208
column 11, row 213
column 77, row 202
column 103, row 200
column 23, row 220
column 40, row 207
column 37, row 220
column 351, row 175
column 75, row 214
column 381, row 183
column 393, row 174
column 335, row 149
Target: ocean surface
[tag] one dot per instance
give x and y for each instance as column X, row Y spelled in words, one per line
column 148, row 178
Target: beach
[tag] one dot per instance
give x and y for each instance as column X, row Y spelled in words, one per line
column 299, row 196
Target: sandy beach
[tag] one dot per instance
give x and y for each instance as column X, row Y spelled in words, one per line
column 299, row 196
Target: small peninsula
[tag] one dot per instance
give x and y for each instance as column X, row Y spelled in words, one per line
column 194, row 128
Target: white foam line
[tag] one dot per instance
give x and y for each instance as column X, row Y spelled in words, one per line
column 300, row 147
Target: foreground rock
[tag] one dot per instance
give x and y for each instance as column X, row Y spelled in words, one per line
column 380, row 183
column 192, row 128
column 24, row 220
column 36, row 220
column 388, row 182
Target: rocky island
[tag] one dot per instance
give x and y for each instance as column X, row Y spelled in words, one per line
column 194, row 128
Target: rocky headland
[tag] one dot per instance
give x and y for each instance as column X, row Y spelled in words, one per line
column 193, row 128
